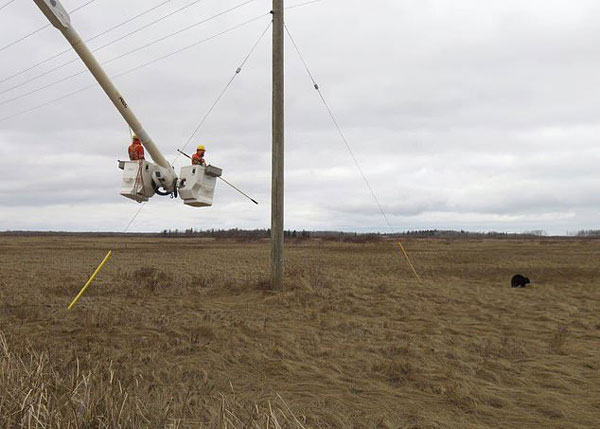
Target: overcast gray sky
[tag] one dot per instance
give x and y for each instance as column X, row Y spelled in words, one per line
column 465, row 114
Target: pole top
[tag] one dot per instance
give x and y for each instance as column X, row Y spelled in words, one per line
column 55, row 12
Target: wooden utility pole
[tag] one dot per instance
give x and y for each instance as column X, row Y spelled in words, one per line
column 277, row 194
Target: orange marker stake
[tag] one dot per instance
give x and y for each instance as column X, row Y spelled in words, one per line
column 410, row 263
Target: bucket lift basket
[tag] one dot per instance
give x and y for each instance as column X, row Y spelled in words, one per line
column 137, row 180
column 197, row 184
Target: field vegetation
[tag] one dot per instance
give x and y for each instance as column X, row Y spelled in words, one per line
column 182, row 332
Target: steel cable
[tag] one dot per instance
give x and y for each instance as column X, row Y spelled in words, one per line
column 302, row 4
column 127, row 21
column 6, row 4
column 42, row 28
column 112, row 59
column 349, row 148
column 74, row 60
column 135, row 68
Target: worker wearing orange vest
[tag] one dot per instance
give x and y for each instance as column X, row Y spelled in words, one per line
column 136, row 150
column 198, row 157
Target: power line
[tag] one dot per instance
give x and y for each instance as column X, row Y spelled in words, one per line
column 302, row 4
column 143, row 27
column 349, row 148
column 24, row 37
column 145, row 12
column 168, row 36
column 39, row 106
column 112, row 59
column 74, row 60
column 136, row 68
column 10, row 100
column 6, row 4
column 82, row 6
column 185, row 48
column 127, row 21
column 42, row 28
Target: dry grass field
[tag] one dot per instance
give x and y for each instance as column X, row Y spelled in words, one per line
column 186, row 333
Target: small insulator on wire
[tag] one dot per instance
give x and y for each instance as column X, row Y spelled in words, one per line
column 317, row 86
column 239, row 69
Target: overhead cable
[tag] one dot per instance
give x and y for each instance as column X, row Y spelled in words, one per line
column 18, row 97
column 74, row 60
column 168, row 36
column 42, row 28
column 294, row 6
column 82, row 6
column 151, row 23
column 136, row 68
column 127, row 21
column 114, row 28
column 133, row 18
column 6, row 4
column 185, row 48
column 348, row 147
column 24, row 37
column 160, row 39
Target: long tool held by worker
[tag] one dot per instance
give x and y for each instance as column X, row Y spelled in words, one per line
column 230, row 184
column 240, row 191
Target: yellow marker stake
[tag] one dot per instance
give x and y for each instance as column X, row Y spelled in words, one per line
column 89, row 282
column 410, row 263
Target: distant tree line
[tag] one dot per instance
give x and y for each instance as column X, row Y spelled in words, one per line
column 265, row 233
column 588, row 233
column 257, row 234
column 232, row 233
column 437, row 233
column 355, row 237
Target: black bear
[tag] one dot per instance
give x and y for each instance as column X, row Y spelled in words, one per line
column 519, row 281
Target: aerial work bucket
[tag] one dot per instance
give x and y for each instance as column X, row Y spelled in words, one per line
column 197, row 184
column 141, row 179
column 137, row 180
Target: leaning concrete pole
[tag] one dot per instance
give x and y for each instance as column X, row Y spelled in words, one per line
column 277, row 194
column 60, row 19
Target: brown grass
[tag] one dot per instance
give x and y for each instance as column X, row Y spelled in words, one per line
column 187, row 333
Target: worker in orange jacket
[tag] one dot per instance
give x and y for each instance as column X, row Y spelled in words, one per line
column 198, row 157
column 136, row 150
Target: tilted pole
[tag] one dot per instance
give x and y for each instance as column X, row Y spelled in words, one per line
column 277, row 190
column 60, row 19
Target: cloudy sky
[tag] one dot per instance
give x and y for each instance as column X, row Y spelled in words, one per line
column 465, row 114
